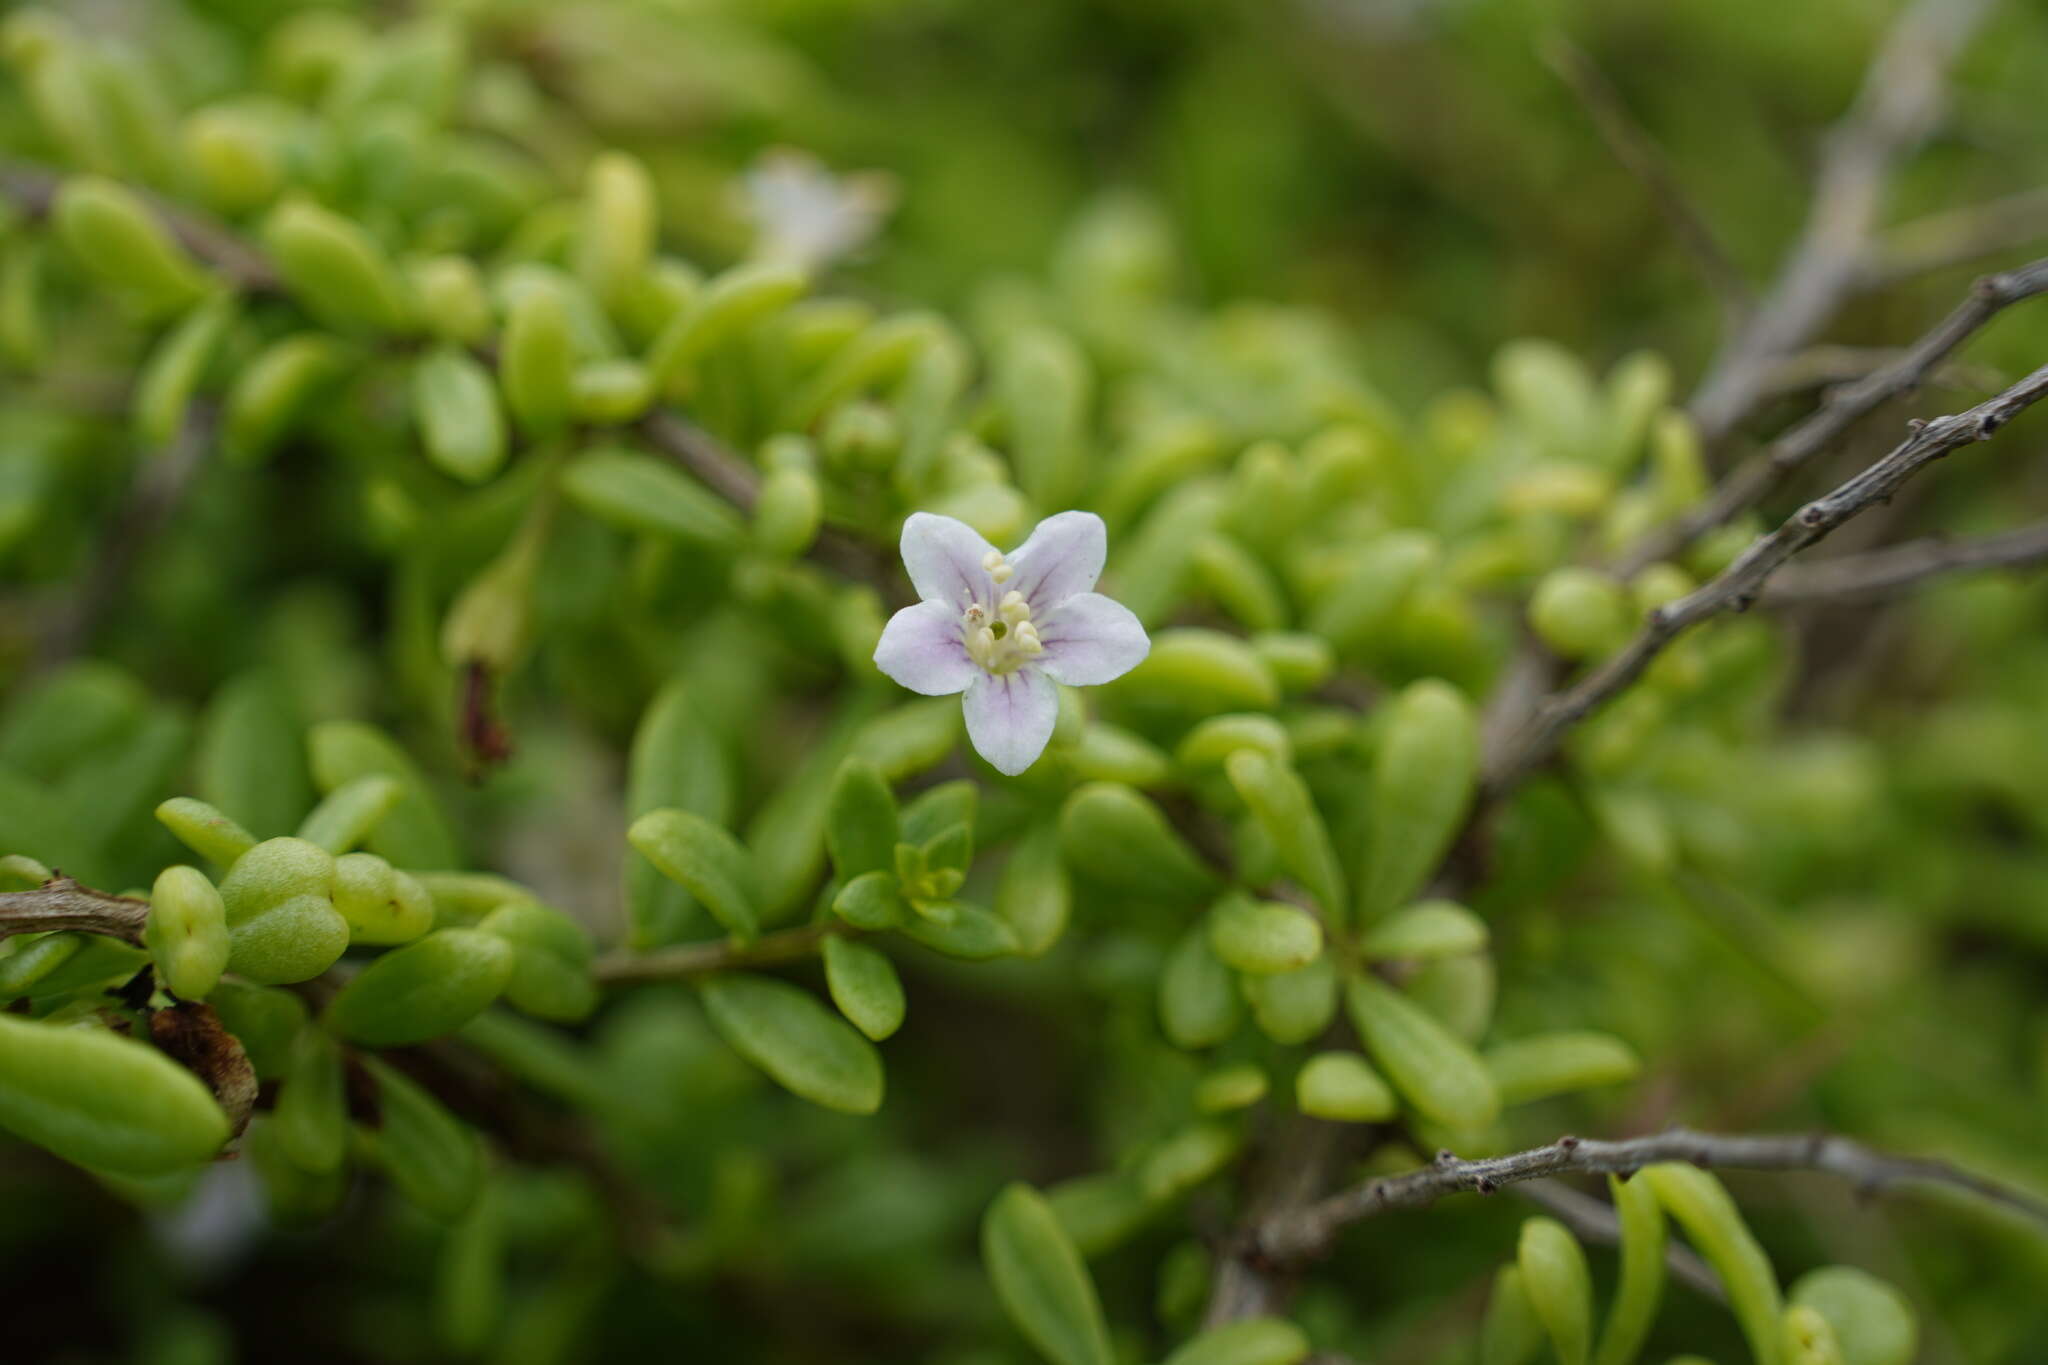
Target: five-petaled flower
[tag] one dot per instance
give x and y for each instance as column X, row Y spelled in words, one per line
column 1004, row 629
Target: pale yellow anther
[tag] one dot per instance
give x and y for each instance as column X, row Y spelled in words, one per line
column 1002, row 644
column 998, row 568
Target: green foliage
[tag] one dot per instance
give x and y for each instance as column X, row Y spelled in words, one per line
column 464, row 513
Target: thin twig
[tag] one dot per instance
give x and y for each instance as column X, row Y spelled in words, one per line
column 1819, row 367
column 1752, row 480
column 732, row 478
column 1743, row 581
column 1594, row 1220
column 159, row 486
column 1887, row 572
column 689, row 960
column 1897, row 106
column 1307, row 1232
column 1958, row 237
column 1641, row 157
column 62, row 903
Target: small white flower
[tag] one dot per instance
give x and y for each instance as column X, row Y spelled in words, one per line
column 808, row 216
column 1005, row 629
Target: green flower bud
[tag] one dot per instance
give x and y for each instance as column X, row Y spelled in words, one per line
column 1343, row 1087
column 282, row 926
column 427, row 988
column 455, row 404
column 491, row 620
column 187, row 932
column 104, row 1101
column 381, row 904
column 114, row 235
column 336, row 269
column 1579, row 613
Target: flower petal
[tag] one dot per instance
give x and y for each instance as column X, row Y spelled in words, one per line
column 1062, row 557
column 1010, row 717
column 1090, row 639
column 922, row 649
column 944, row 558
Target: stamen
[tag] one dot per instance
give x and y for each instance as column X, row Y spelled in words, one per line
column 998, row 568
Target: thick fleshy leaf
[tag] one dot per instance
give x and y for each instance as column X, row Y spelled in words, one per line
column 805, row 1047
column 1010, row 717
column 1061, row 558
column 922, row 649
column 1090, row 639
column 944, row 559
column 1041, row 1280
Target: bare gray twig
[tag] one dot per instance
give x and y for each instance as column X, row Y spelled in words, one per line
column 62, row 903
column 1752, row 480
column 1743, row 581
column 1642, row 158
column 1893, row 112
column 1306, row 1232
column 1887, row 572
column 1823, row 367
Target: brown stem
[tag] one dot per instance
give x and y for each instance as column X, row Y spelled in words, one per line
column 62, row 903
column 701, row 959
column 1888, row 572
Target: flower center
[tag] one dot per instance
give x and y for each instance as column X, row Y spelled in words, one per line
column 1002, row 638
